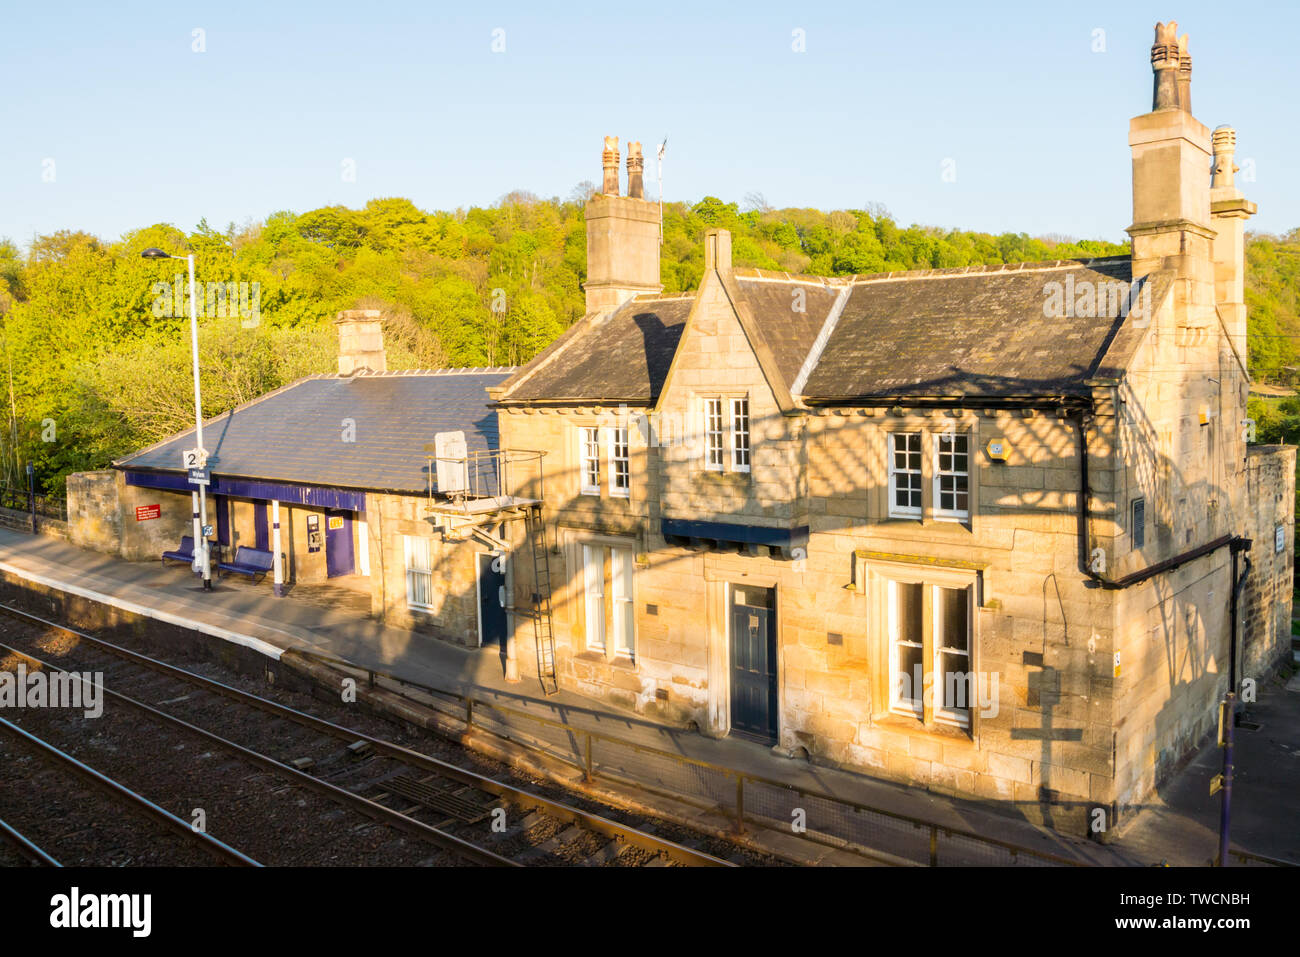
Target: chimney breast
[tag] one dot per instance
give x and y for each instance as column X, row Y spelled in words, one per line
column 609, row 160
column 361, row 341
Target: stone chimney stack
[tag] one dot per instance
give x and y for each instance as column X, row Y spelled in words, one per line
column 609, row 160
column 1172, row 227
column 1229, row 210
column 361, row 341
column 635, row 166
column 622, row 236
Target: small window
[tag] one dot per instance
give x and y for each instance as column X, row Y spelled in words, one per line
column 1139, row 522
column 419, row 572
column 713, row 435
column 590, row 454
column 905, row 475
column 740, row 434
column 620, row 471
column 952, row 476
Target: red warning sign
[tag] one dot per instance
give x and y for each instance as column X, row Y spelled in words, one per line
column 145, row 512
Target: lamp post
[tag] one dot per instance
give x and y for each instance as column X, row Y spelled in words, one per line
column 202, row 561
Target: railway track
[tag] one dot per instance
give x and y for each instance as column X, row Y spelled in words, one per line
column 180, row 831
column 472, row 817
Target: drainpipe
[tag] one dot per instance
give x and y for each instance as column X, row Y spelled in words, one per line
column 1236, row 542
column 1239, row 583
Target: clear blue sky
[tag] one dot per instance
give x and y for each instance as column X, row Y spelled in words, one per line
column 143, row 130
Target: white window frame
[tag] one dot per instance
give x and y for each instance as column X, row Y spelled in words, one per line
column 715, row 451
column 622, row 573
column 418, row 560
column 593, row 579
column 943, row 714
column 932, row 634
column 589, row 459
column 953, row 514
column 905, row 511
column 620, row 462
column 913, row 706
column 740, row 431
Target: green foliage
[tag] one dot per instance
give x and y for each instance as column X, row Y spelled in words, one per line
column 99, row 349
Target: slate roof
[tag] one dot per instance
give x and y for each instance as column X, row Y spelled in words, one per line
column 983, row 333
column 621, row 355
column 295, row 434
column 953, row 333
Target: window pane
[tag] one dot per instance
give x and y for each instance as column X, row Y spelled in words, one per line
column 713, row 433
column 740, row 433
column 593, row 567
column 952, row 475
column 905, row 474
column 621, row 477
column 954, row 610
column 906, row 656
column 590, row 459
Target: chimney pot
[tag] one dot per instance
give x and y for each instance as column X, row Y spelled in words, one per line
column 609, row 161
column 1164, row 62
column 1224, row 141
column 635, row 167
column 1184, row 75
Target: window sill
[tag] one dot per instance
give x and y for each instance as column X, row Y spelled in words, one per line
column 892, row 721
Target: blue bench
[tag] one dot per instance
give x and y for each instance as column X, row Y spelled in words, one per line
column 254, row 562
column 183, row 554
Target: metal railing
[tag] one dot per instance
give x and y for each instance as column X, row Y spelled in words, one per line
column 485, row 474
column 46, row 506
column 873, row 833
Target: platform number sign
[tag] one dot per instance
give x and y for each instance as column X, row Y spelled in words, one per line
column 194, row 459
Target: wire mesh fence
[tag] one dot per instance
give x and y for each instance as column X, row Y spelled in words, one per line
column 747, row 800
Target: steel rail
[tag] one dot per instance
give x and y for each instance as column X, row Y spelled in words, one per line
column 218, row 849
column 365, row 805
column 595, row 822
column 25, row 847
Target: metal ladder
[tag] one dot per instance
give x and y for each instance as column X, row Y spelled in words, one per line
column 541, row 603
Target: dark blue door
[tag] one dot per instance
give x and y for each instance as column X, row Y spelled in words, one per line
column 222, row 505
column 338, row 544
column 753, row 661
column 491, row 613
column 261, row 534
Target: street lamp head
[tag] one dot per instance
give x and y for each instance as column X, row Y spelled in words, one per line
column 153, row 252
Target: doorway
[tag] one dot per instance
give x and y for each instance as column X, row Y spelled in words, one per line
column 491, row 598
column 753, row 662
column 339, row 558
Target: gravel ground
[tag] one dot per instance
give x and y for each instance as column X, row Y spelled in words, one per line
column 276, row 821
